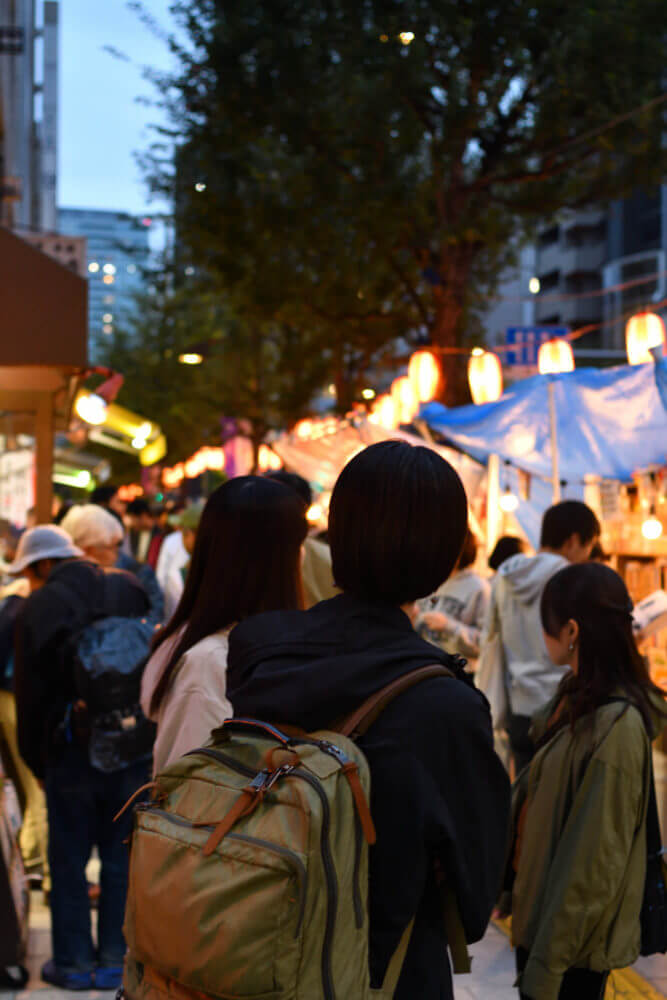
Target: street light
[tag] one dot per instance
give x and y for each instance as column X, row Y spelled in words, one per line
column 191, row 358
column 407, row 37
column 91, row 408
column 652, row 527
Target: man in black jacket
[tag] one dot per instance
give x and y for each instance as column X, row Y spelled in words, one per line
column 439, row 794
column 67, row 594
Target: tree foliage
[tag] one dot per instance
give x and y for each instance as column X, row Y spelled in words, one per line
column 359, row 188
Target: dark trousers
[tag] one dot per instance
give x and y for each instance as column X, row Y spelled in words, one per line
column 82, row 803
column 578, row 984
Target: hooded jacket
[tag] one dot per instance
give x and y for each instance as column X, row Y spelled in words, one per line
column 582, row 863
column 514, row 656
column 76, row 592
column 438, row 790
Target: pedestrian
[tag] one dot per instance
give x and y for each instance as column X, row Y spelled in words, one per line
column 581, row 846
column 69, row 592
column 144, row 535
column 33, row 837
column 246, row 559
column 318, row 582
column 107, row 496
column 188, row 523
column 99, row 533
column 439, row 794
column 173, row 557
column 515, row 670
column 453, row 617
column 506, row 547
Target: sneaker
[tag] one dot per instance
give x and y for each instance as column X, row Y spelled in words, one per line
column 66, row 980
column 109, row 977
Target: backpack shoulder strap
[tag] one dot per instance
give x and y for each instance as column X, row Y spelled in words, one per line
column 361, row 720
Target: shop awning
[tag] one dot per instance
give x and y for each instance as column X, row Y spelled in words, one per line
column 611, row 423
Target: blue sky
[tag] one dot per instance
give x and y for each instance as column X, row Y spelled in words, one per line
column 101, row 123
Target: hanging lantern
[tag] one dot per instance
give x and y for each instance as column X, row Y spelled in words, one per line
column 304, row 429
column 555, row 357
column 643, row 331
column 424, row 374
column 485, row 376
column 383, row 413
column 405, row 399
column 267, row 459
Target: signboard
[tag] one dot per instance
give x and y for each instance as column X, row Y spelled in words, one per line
column 17, row 485
column 524, row 342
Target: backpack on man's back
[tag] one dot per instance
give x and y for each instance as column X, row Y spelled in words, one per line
column 108, row 655
column 249, row 868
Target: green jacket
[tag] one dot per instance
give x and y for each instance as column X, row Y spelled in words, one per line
column 582, row 866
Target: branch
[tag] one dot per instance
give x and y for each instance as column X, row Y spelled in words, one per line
column 410, row 289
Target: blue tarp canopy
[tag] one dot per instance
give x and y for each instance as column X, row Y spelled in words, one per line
column 611, row 422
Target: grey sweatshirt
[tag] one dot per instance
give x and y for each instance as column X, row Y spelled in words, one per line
column 514, row 656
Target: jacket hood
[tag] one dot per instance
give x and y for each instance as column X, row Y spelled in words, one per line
column 309, row 668
column 526, row 576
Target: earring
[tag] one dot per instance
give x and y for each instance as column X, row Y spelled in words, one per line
column 570, row 648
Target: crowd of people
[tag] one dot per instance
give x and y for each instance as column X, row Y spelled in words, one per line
column 540, row 678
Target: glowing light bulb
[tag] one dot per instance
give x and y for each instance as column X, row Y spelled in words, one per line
column 508, row 502
column 92, row 409
column 652, row 528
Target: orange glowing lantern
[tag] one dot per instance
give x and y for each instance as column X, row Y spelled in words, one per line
column 485, row 376
column 405, row 400
column 384, row 412
column 267, row 459
column 424, row 374
column 555, row 357
column 643, row 331
column 304, row 429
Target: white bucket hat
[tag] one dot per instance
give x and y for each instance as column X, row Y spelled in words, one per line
column 89, row 525
column 46, row 541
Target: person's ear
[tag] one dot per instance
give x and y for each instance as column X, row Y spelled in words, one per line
column 572, row 633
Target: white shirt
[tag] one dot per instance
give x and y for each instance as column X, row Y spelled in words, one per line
column 196, row 700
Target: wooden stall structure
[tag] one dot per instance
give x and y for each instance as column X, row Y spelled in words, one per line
column 43, row 351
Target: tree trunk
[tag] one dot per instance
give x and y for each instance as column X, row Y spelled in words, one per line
column 448, row 328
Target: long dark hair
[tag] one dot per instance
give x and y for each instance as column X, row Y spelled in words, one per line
column 246, row 559
column 596, row 598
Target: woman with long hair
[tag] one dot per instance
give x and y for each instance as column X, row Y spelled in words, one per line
column 580, row 808
column 246, row 559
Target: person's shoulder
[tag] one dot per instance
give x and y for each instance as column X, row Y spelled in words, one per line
column 621, row 736
column 440, row 703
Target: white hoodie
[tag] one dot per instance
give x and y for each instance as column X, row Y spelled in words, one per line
column 514, row 663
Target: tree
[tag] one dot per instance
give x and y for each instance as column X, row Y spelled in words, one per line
column 251, row 370
column 376, row 159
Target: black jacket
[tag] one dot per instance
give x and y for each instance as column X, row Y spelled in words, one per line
column 76, row 592
column 438, row 789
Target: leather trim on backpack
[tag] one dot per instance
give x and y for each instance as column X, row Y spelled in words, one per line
column 360, row 721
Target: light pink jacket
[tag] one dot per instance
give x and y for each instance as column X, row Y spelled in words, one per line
column 196, row 700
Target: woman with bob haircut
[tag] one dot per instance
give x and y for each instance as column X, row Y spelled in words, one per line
column 580, row 808
column 246, row 559
column 439, row 794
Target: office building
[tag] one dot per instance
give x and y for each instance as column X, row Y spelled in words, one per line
column 28, row 114
column 591, row 269
column 117, row 258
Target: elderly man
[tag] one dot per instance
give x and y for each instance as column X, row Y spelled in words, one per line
column 68, row 593
column 100, row 535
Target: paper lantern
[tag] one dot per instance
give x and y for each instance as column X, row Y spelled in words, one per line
column 267, row 459
column 405, row 399
column 304, row 429
column 555, row 357
column 424, row 374
column 643, row 331
column 384, row 412
column 485, row 376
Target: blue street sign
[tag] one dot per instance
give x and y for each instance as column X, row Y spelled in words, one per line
column 525, row 341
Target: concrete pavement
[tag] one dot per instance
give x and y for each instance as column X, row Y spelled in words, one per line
column 492, row 977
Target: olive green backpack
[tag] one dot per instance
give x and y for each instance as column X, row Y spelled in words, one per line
column 249, row 868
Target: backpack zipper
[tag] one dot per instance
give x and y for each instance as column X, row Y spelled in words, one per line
column 284, row 852
column 325, row 851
